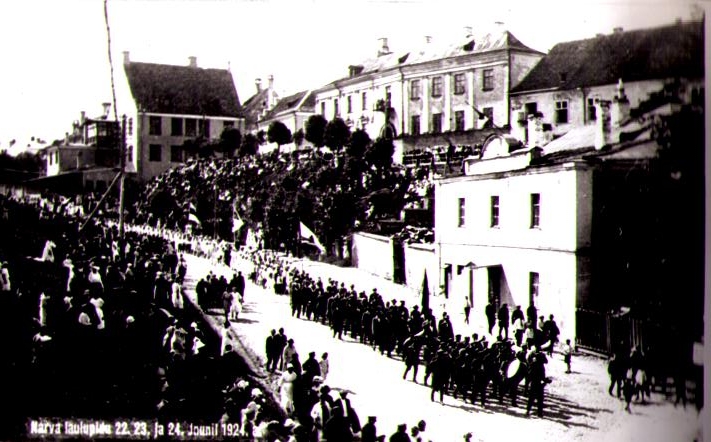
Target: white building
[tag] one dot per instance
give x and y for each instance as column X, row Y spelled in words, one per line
column 167, row 105
column 437, row 88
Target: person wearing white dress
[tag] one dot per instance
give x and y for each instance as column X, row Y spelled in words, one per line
column 286, row 384
column 324, row 365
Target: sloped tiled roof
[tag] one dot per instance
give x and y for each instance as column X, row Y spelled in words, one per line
column 253, row 107
column 476, row 44
column 669, row 51
column 304, row 101
column 186, row 90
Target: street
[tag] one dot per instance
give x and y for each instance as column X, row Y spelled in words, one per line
column 577, row 406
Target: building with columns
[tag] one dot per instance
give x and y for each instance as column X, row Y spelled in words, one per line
column 167, row 106
column 434, row 90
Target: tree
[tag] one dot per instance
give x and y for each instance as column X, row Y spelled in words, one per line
column 299, row 137
column 315, row 130
column 249, row 146
column 337, row 134
column 261, row 137
column 278, row 133
column 230, row 141
column 358, row 143
column 381, row 153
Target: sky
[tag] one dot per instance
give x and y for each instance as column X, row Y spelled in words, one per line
column 54, row 53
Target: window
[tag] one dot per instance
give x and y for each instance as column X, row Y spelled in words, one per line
column 592, row 114
column 204, row 128
column 130, row 126
column 561, row 112
column 415, row 90
column 176, row 126
column 176, row 154
column 364, row 98
column 459, row 120
column 437, row 87
column 415, row 125
column 459, row 84
column 531, row 109
column 487, row 80
column 335, row 108
column 349, row 103
column 461, row 214
column 129, row 155
column 532, row 287
column 56, row 157
column 488, row 116
column 154, row 152
column 535, row 210
column 154, row 126
column 190, row 127
column 227, row 124
column 436, row 123
column 51, row 157
column 388, row 96
column 323, row 109
column 494, row 211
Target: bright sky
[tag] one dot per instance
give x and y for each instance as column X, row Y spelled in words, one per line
column 54, row 52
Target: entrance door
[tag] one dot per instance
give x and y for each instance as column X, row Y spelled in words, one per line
column 495, row 274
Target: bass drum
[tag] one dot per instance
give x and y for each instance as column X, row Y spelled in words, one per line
column 513, row 368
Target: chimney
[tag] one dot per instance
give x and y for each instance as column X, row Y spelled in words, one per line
column 428, row 39
column 192, row 61
column 535, row 130
column 468, row 31
column 271, row 81
column 126, row 57
column 258, row 83
column 384, row 49
column 603, row 127
column 83, row 118
column 617, row 30
column 620, row 110
column 107, row 108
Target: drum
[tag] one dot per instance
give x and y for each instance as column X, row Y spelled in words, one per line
column 513, row 368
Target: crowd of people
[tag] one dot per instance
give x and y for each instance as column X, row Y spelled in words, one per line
column 472, row 367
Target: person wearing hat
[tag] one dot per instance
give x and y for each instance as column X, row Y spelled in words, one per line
column 288, row 353
column 400, row 435
column 369, row 433
column 311, row 368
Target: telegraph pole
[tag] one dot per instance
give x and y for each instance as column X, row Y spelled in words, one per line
column 122, row 177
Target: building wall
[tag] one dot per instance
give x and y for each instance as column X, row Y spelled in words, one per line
column 555, row 250
column 373, row 253
column 421, row 258
column 636, row 92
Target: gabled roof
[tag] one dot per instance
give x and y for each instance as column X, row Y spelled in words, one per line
column 254, row 106
column 184, row 90
column 301, row 101
column 477, row 44
column 657, row 53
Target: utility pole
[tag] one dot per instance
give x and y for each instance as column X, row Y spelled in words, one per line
column 122, row 179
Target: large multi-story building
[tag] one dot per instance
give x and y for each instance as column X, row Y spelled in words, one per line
column 167, row 106
column 292, row 110
column 449, row 88
column 589, row 223
column 564, row 85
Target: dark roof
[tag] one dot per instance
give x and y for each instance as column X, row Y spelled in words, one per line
column 664, row 52
column 293, row 103
column 169, row 89
column 254, row 106
column 476, row 44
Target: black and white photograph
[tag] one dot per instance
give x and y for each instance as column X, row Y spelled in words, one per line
column 354, row 220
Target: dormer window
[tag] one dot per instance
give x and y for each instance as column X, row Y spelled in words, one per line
column 354, row 70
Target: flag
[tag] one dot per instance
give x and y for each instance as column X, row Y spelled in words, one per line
column 236, row 222
column 307, row 234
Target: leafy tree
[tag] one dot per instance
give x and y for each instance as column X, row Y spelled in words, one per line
column 316, row 130
column 230, row 141
column 299, row 137
column 278, row 133
column 337, row 134
column 380, row 153
column 358, row 143
column 261, row 137
column 249, row 146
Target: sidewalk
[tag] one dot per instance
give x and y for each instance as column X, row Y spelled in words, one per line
column 577, row 405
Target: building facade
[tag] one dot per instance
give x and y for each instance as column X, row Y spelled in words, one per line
column 293, row 111
column 168, row 106
column 435, row 89
column 564, row 86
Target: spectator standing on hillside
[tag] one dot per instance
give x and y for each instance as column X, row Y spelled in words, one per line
column 324, row 365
